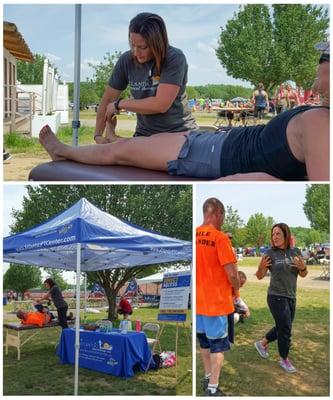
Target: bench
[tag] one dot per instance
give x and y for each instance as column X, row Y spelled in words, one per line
column 18, row 340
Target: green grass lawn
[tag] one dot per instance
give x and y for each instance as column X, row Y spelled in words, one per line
column 39, row 372
column 246, row 374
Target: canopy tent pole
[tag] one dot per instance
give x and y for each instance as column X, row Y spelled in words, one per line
column 85, row 294
column 77, row 65
column 77, row 318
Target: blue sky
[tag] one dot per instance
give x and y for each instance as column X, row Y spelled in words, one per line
column 194, row 28
column 282, row 201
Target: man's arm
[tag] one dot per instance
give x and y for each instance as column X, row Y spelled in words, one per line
column 110, row 94
column 232, row 273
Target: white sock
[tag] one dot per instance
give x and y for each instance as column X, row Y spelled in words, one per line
column 212, row 388
column 207, row 376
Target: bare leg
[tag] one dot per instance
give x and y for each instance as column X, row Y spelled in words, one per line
column 145, row 152
column 205, row 355
column 216, row 362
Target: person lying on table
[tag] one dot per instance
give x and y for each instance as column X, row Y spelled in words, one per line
column 294, row 145
column 34, row 317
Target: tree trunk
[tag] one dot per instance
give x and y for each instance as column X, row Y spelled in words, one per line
column 111, row 296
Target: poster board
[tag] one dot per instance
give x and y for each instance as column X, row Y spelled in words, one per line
column 175, row 296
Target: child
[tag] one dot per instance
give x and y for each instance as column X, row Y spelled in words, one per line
column 241, row 309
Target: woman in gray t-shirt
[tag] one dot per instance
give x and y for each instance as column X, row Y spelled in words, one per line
column 54, row 293
column 156, row 74
column 285, row 264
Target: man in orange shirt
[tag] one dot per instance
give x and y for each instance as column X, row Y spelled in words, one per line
column 216, row 277
column 33, row 317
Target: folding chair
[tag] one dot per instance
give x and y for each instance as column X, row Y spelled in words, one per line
column 153, row 342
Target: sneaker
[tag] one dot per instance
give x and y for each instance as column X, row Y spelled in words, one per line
column 6, row 156
column 262, row 350
column 218, row 393
column 205, row 383
column 287, row 366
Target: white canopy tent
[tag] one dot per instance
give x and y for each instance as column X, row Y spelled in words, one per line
column 84, row 238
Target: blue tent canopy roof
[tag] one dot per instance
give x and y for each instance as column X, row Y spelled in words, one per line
column 106, row 242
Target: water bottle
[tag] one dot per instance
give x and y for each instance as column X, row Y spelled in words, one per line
column 138, row 325
column 123, row 326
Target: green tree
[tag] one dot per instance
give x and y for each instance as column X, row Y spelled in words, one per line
column 232, row 223
column 56, row 275
column 258, row 229
column 261, row 47
column 21, row 278
column 317, row 206
column 191, row 92
column 292, row 22
column 32, row 73
column 103, row 71
column 161, row 208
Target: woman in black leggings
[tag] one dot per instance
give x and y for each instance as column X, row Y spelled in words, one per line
column 55, row 294
column 284, row 264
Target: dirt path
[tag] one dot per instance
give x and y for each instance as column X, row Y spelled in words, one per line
column 311, row 281
column 19, row 166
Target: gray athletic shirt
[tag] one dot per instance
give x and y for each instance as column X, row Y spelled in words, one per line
column 283, row 272
column 143, row 82
column 57, row 298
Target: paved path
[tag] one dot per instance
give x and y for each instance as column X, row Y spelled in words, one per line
column 311, row 281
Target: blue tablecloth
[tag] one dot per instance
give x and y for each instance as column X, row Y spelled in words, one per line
column 112, row 353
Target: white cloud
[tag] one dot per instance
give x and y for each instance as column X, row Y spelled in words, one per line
column 205, row 48
column 52, row 57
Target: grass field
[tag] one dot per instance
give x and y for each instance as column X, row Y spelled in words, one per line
column 19, row 143
column 246, row 374
column 39, row 372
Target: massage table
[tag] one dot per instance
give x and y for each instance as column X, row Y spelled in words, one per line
column 73, row 171
column 17, row 340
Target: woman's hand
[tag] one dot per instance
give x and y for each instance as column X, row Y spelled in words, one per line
column 265, row 262
column 110, row 129
column 110, row 111
column 299, row 264
column 100, row 139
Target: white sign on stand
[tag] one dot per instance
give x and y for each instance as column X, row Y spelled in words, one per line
column 175, row 296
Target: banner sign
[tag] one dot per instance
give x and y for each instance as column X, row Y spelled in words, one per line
column 175, row 293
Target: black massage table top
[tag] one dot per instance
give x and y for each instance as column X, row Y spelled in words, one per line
column 17, row 326
column 73, row 171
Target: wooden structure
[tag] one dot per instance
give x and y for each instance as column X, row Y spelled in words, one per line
column 15, row 48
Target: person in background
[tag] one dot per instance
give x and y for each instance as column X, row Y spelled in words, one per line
column 242, row 311
column 124, row 308
column 260, row 101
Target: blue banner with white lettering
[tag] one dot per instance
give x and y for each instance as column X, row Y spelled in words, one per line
column 112, row 353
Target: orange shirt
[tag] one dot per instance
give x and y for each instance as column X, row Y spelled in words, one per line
column 214, row 291
column 36, row 318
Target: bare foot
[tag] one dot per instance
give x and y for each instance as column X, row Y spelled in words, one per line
column 50, row 143
column 110, row 130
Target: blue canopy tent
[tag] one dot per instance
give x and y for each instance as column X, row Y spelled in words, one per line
column 84, row 238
